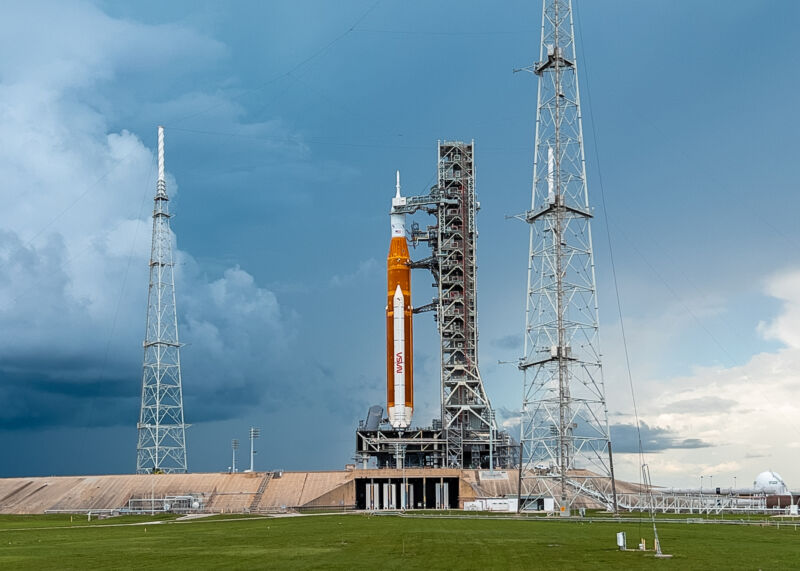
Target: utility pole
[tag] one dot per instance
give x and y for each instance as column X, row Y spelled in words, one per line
column 161, row 446
column 564, row 429
column 234, row 447
column 491, row 441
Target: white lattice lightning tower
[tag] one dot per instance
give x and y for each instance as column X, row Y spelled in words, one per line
column 162, row 432
column 565, row 436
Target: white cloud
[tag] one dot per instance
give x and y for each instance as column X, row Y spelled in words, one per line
column 64, row 45
column 786, row 327
column 233, row 325
column 749, row 413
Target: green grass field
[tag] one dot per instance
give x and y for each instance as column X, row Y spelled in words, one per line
column 383, row 542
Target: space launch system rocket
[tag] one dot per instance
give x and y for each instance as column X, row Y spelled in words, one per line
column 399, row 327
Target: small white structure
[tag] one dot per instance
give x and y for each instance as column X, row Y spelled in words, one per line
column 492, row 505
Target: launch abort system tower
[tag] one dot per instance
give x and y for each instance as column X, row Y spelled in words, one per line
column 162, row 433
column 565, row 436
column 465, row 436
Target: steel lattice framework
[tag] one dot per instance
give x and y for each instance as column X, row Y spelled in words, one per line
column 162, row 432
column 565, row 435
column 466, row 412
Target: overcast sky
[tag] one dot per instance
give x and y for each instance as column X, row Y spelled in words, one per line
column 285, row 122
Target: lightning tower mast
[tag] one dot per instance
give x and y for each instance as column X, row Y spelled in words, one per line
column 565, row 436
column 162, row 432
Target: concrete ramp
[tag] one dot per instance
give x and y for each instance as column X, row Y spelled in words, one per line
column 308, row 489
column 33, row 495
column 321, row 483
column 218, row 492
column 284, row 492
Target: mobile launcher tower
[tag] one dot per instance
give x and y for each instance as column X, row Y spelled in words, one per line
column 466, row 435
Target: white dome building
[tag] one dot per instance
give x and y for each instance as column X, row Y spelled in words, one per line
column 770, row 482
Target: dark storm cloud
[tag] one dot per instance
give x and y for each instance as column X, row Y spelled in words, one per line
column 222, row 402
column 625, row 439
column 37, row 401
column 40, row 394
column 60, row 370
column 241, row 358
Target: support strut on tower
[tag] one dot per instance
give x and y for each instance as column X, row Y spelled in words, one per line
column 161, row 445
column 566, row 453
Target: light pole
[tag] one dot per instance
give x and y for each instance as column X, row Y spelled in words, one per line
column 491, row 441
column 701, row 484
column 234, row 447
column 254, row 433
column 711, row 478
column 404, row 495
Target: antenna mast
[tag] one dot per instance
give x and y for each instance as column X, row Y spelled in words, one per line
column 162, row 432
column 566, row 451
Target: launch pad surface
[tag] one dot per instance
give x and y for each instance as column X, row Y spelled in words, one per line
column 427, row 448
column 258, row 492
column 417, row 447
column 254, row 492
